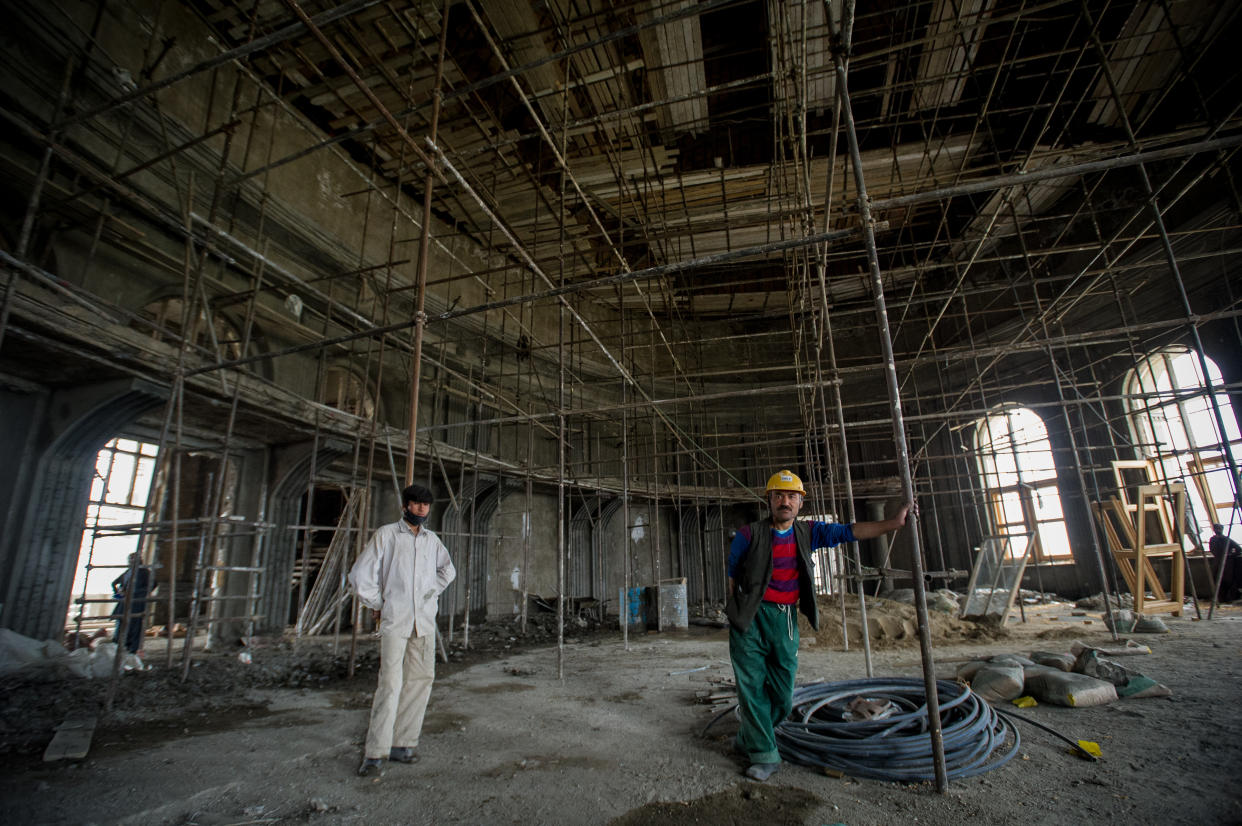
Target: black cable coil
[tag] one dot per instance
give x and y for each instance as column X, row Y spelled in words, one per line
column 820, row 731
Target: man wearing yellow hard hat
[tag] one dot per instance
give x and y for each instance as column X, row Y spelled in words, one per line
column 770, row 579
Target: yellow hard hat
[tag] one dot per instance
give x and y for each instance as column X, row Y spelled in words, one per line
column 785, row 480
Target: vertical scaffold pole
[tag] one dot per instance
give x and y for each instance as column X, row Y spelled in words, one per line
column 424, row 246
column 899, row 434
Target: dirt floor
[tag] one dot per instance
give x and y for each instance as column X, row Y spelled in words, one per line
column 617, row 739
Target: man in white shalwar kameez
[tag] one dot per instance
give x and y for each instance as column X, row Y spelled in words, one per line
column 400, row 576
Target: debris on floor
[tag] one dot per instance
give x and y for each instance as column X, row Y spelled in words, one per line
column 889, row 624
column 1083, row 677
column 95, row 661
column 72, row 740
column 1128, row 622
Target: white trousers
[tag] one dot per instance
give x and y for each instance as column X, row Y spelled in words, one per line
column 407, row 669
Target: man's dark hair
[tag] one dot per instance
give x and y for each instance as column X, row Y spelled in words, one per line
column 1216, row 526
column 416, row 493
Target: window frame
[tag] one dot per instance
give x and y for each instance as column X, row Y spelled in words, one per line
column 1012, row 506
column 1152, row 389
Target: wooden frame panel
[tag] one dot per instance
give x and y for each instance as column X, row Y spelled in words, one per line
column 1139, row 524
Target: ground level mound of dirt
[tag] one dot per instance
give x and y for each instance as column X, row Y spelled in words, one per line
column 890, row 624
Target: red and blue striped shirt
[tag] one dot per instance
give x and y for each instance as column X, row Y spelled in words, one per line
column 783, row 587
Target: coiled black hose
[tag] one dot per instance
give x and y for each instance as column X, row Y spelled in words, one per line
column 819, row 731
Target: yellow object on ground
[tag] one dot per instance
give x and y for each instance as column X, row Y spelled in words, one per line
column 1025, row 702
column 1090, row 748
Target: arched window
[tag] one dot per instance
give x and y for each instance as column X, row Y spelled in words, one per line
column 1171, row 418
column 124, row 474
column 1020, row 482
column 220, row 339
column 345, row 390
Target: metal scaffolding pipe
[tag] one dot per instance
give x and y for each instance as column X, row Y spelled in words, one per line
column 1052, row 172
column 552, row 292
column 1097, row 552
column 256, row 45
column 1153, row 204
column 899, row 435
column 424, row 247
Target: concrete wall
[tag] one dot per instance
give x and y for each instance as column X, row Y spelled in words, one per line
column 524, row 552
column 47, row 515
column 23, row 409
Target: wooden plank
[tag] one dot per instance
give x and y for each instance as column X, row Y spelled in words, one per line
column 72, row 739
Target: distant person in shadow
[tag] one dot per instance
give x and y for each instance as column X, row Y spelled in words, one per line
column 141, row 578
column 1229, row 555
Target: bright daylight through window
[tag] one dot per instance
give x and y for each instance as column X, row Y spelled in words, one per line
column 1175, row 426
column 124, row 472
column 1020, row 481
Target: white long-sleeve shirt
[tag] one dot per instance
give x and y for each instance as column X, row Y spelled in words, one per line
column 401, row 575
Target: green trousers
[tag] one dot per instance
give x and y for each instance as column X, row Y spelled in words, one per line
column 765, row 663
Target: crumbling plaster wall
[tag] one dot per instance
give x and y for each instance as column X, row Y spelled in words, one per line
column 524, row 553
column 313, row 227
column 648, row 542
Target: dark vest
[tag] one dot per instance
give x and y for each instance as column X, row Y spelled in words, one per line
column 755, row 572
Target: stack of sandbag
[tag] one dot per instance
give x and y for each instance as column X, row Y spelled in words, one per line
column 1129, row 683
column 1061, row 662
column 1078, row 679
column 1125, row 621
column 1067, row 688
column 997, row 678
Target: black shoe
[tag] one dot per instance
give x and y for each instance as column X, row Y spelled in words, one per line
column 371, row 767
column 761, row 771
column 403, row 755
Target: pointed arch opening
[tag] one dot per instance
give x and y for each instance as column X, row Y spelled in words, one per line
column 1019, row 479
column 1169, row 407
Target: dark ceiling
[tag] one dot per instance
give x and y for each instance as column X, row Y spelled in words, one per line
column 694, row 130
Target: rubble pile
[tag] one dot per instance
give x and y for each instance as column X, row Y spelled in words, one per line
column 37, row 698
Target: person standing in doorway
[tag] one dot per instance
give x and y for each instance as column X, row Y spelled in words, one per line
column 139, row 576
column 1229, row 556
column 400, row 576
column 771, row 578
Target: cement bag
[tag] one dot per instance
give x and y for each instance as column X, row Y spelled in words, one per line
column 943, row 600
column 18, row 652
column 78, row 662
column 1061, row 662
column 998, row 683
column 1122, row 621
column 1011, row 659
column 1140, row 686
column 102, row 656
column 1065, row 688
column 967, row 671
column 1150, row 625
column 1090, row 662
